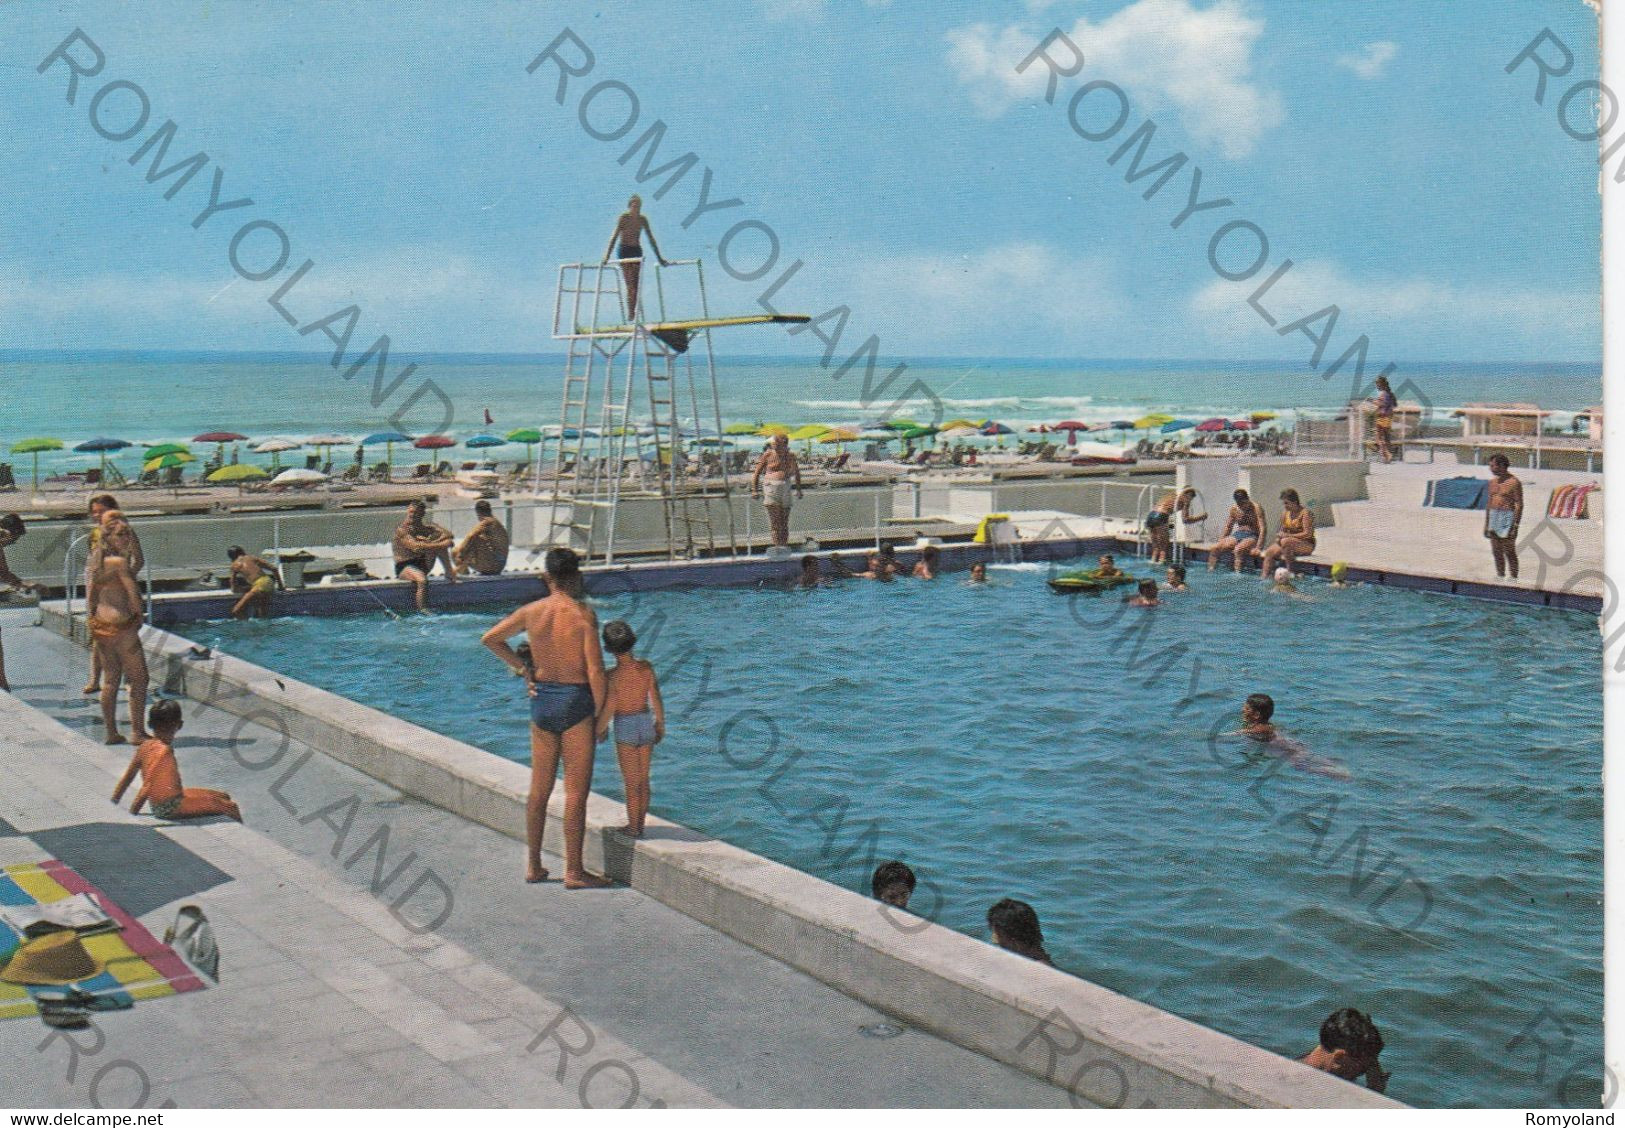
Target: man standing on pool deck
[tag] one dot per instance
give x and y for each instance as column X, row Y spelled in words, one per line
column 778, row 464
column 567, row 690
column 417, row 544
column 1503, row 516
column 1243, row 532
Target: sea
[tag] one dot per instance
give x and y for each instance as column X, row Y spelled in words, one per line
column 150, row 397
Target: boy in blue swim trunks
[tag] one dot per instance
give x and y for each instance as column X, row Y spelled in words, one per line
column 1243, row 532
column 1503, row 516
column 639, row 716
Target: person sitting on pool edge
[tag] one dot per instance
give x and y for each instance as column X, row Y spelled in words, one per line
column 1256, row 713
column 1243, row 532
column 1349, row 1046
column 1015, row 928
column 893, row 883
column 1176, row 579
column 1146, row 596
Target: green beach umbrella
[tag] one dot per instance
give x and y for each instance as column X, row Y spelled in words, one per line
column 34, row 447
column 158, row 450
column 530, row 436
column 167, row 461
column 742, row 429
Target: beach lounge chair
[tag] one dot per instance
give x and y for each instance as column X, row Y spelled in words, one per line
column 7, row 480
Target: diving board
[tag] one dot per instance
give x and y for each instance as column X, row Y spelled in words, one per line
column 675, row 335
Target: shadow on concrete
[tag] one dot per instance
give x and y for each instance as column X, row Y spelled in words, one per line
column 136, row 866
column 7, row 830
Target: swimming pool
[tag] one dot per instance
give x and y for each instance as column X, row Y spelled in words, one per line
column 1006, row 741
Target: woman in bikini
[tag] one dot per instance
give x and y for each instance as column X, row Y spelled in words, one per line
column 1296, row 538
column 115, row 625
column 626, row 239
column 566, row 683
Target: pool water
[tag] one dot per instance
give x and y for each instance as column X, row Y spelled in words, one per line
column 1071, row 752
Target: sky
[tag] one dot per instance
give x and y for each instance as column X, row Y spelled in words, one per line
column 890, row 147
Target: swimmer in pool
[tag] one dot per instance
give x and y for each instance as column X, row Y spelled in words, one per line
column 1257, row 723
column 1107, row 569
column 925, row 568
column 1146, row 596
column 978, row 573
column 1340, row 575
column 567, row 690
column 1176, row 579
column 810, row 577
column 893, row 884
column 260, row 580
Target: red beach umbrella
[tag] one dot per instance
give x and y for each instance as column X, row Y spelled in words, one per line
column 1214, row 425
column 1241, row 424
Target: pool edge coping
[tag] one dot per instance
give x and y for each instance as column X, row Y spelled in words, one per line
column 1105, row 1047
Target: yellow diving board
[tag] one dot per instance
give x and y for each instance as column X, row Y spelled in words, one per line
column 675, row 335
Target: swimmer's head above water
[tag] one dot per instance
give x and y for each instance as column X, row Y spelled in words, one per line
column 978, row 573
column 893, row 883
column 1256, row 713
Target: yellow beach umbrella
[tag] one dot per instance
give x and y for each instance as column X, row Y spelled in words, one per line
column 773, row 429
column 1156, row 419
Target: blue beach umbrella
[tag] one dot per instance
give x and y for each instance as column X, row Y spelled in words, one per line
column 101, row 446
column 1177, row 425
column 389, row 439
column 479, row 441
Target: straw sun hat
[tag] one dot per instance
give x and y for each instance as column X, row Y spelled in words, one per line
column 55, row 959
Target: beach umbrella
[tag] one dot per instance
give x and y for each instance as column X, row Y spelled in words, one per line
column 877, row 435
column 960, row 431
column 1241, row 425
column 1177, row 425
column 158, row 450
column 993, row 428
column 743, row 429
column 298, row 474
column 220, row 439
column 1262, row 416
column 916, row 432
column 773, row 429
column 480, row 442
column 389, row 439
column 434, row 442
column 1071, row 427
column 1213, row 425
column 530, row 436
column 1155, row 419
column 899, row 424
column 329, row 440
column 1121, row 425
column 710, row 441
column 34, row 447
column 241, row 472
column 167, row 461
column 101, row 447
column 274, row 448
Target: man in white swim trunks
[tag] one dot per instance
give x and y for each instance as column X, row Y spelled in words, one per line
column 777, row 481
column 1503, row 516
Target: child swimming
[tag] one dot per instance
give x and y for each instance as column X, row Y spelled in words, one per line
column 1146, row 596
column 1257, row 723
column 634, row 706
column 1176, row 579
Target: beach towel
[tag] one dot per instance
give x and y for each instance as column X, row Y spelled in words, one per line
column 1569, row 502
column 1458, row 493
column 138, row 965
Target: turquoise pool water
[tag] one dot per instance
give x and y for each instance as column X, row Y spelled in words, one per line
column 1006, row 741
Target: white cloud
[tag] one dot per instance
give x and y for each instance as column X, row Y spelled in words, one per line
column 1491, row 318
column 1371, row 61
column 1169, row 55
column 1022, row 296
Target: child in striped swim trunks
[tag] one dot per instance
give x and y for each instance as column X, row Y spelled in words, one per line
column 639, row 716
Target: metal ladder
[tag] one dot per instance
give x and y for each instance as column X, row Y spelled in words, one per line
column 585, row 502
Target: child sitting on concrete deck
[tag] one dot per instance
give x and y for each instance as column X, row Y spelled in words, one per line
column 633, row 704
column 161, row 776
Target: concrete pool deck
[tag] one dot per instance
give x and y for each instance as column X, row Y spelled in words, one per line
column 1103, row 1046
column 328, row 999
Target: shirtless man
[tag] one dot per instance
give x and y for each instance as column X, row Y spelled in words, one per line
column 567, row 691
column 260, row 580
column 1243, row 532
column 1384, row 405
column 115, row 617
column 11, row 531
column 777, row 475
column 129, row 547
column 417, row 544
column 485, row 549
column 1503, row 516
column 628, row 233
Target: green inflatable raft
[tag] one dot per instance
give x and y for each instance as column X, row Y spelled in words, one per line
column 1089, row 583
